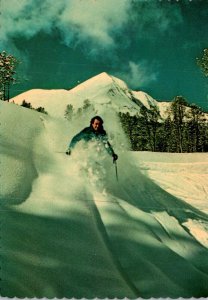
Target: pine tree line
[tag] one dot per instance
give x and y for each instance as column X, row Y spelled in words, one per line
column 184, row 130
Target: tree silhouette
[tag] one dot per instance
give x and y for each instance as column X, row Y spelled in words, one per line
column 8, row 64
column 203, row 62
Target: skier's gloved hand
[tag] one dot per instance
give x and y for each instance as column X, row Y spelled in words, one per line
column 68, row 152
column 115, row 157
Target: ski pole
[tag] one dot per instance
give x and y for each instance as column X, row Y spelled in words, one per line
column 116, row 168
column 60, row 151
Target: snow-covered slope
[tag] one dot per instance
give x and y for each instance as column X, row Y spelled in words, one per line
column 70, row 229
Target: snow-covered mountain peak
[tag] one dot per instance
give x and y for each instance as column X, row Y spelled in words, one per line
column 100, row 81
column 145, row 99
column 104, row 92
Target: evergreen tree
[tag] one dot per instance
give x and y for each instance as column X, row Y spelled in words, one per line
column 87, row 104
column 87, row 107
column 69, row 112
column 145, row 130
column 8, row 64
column 195, row 127
column 203, row 62
column 184, row 130
column 154, row 116
column 204, row 136
column 141, row 129
column 129, row 124
column 165, row 142
column 42, row 110
column 178, row 109
column 26, row 104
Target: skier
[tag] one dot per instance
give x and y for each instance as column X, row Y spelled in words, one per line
column 95, row 132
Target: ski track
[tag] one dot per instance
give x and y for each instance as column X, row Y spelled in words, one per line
column 131, row 240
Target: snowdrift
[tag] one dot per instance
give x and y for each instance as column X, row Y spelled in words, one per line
column 70, row 229
column 19, row 129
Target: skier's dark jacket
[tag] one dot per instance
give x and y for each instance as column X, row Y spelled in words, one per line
column 89, row 134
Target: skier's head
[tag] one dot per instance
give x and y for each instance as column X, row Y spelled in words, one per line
column 97, row 123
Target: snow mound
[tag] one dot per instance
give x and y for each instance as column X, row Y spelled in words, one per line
column 20, row 128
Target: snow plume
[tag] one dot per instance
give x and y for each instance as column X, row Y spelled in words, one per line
column 111, row 124
column 137, row 74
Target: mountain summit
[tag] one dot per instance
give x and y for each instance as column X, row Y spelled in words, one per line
column 102, row 80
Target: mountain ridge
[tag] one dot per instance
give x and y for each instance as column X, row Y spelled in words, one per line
column 100, row 89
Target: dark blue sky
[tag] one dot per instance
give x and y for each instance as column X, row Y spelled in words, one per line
column 151, row 45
